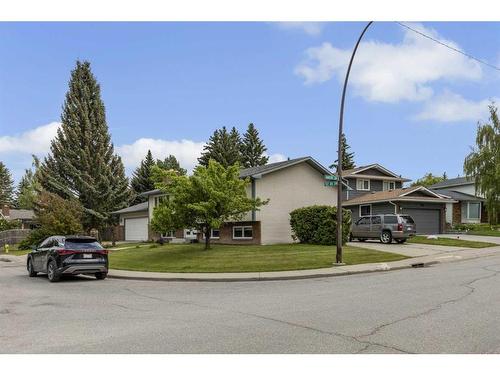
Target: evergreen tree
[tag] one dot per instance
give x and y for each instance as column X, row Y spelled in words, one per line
column 171, row 163
column 6, row 186
column 347, row 157
column 82, row 163
column 29, row 187
column 141, row 178
column 252, row 149
column 223, row 147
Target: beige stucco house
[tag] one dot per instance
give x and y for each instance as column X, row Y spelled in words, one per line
column 288, row 185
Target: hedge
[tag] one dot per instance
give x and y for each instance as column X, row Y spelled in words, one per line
column 318, row 225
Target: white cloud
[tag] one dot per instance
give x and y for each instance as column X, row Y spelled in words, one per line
column 186, row 151
column 35, row 141
column 387, row 72
column 451, row 107
column 274, row 158
column 310, row 28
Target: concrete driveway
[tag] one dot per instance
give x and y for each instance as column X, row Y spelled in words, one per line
column 408, row 249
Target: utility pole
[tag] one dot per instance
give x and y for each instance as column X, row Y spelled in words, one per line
column 339, row 164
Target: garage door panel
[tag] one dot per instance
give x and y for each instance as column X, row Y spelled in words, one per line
column 427, row 221
column 136, row 229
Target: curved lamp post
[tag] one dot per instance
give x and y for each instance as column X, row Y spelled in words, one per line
column 339, row 163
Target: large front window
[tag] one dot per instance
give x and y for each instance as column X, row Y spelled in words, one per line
column 363, row 184
column 365, row 210
column 242, row 233
column 389, row 185
column 473, row 210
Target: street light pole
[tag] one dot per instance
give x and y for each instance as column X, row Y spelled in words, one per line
column 339, row 162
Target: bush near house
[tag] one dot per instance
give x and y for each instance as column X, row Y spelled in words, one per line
column 318, row 225
column 6, row 225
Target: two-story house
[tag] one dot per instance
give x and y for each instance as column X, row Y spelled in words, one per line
column 288, row 185
column 377, row 190
column 469, row 208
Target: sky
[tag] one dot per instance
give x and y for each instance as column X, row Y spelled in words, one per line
column 412, row 105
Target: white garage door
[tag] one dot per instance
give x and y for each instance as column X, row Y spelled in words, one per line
column 136, row 229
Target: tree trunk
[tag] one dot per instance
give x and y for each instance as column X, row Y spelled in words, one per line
column 207, row 238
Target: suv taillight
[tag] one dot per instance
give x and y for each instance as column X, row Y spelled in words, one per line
column 400, row 227
column 65, row 252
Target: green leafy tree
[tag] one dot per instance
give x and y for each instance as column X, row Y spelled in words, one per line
column 6, row 186
column 347, row 157
column 211, row 196
column 55, row 216
column 483, row 164
column 28, row 187
column 428, row 180
column 223, row 147
column 253, row 148
column 141, row 178
column 171, row 163
column 82, row 163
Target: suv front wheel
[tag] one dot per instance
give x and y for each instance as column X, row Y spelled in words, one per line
column 386, row 237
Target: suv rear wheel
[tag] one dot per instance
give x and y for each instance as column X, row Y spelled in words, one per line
column 386, row 237
column 101, row 275
column 52, row 273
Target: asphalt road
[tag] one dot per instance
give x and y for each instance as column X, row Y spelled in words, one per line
column 448, row 308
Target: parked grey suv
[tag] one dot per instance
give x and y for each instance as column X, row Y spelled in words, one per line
column 384, row 227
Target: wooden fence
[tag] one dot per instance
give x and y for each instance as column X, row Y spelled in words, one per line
column 13, row 236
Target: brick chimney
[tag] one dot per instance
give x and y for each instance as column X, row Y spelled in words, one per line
column 5, row 210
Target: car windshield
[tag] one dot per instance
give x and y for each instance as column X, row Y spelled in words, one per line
column 407, row 219
column 82, row 244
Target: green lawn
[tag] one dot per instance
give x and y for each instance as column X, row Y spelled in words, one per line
column 450, row 242
column 14, row 251
column 239, row 258
column 493, row 233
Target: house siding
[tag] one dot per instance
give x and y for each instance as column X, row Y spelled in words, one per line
column 375, row 185
column 294, row 187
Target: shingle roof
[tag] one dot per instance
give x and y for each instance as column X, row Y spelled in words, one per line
column 453, row 182
column 395, row 195
column 135, row 208
column 150, row 192
column 458, row 195
column 268, row 168
column 349, row 172
column 21, row 214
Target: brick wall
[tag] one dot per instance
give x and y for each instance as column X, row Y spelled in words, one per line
column 457, row 213
column 226, row 234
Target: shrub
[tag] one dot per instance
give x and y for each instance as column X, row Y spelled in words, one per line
column 318, row 225
column 6, row 225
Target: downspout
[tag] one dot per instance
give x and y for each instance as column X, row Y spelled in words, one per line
column 253, row 197
column 395, row 207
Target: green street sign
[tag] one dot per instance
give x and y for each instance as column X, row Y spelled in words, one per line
column 331, row 183
column 331, row 177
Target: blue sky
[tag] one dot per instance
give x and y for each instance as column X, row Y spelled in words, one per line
column 412, row 104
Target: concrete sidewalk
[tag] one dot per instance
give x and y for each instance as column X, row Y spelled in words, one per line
column 421, row 261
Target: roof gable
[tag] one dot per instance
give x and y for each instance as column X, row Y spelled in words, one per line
column 257, row 172
column 372, row 170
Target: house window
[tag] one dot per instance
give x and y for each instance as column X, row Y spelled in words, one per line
column 214, row 233
column 473, row 210
column 363, row 184
column 389, row 185
column 365, row 210
column 242, row 233
column 160, row 199
column 169, row 234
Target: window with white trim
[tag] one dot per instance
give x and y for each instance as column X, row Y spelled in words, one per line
column 388, row 185
column 362, row 184
column 169, row 234
column 243, row 233
column 160, row 199
column 365, row 210
column 214, row 233
column 473, row 210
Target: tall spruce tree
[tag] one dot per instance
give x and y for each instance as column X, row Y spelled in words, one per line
column 82, row 163
column 253, row 148
column 171, row 163
column 6, row 186
column 141, row 178
column 347, row 157
column 223, row 147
